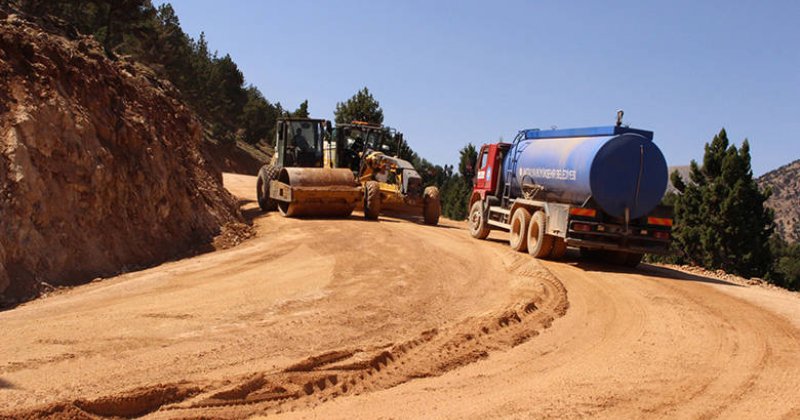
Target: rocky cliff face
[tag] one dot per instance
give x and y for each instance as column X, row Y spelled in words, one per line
column 785, row 199
column 100, row 164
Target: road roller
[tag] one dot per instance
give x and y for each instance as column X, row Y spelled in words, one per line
column 598, row 189
column 322, row 192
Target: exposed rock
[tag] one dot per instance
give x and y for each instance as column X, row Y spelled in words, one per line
column 100, row 165
column 785, row 185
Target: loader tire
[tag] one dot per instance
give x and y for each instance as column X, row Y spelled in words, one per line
column 478, row 227
column 518, row 234
column 432, row 206
column 372, row 200
column 559, row 249
column 266, row 174
column 539, row 243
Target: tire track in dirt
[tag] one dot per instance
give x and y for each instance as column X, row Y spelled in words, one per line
column 342, row 372
column 749, row 340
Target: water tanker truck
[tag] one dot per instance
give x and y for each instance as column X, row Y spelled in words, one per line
column 597, row 188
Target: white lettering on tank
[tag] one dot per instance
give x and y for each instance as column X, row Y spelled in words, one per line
column 549, row 173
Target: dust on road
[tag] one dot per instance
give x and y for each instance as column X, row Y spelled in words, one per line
column 343, row 318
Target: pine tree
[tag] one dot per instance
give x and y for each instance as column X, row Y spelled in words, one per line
column 360, row 107
column 258, row 117
column 468, row 157
column 455, row 188
column 302, row 110
column 721, row 220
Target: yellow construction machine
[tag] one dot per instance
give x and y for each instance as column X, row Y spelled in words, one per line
column 319, row 171
column 391, row 184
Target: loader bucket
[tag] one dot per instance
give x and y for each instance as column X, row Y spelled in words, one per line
column 316, row 192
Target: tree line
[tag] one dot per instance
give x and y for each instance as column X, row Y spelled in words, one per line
column 212, row 85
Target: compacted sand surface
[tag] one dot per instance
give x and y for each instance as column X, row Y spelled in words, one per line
column 350, row 318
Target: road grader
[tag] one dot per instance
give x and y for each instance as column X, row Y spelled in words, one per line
column 322, row 171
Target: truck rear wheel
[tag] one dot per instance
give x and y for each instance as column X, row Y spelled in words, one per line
column 266, row 174
column 559, row 249
column 590, row 254
column 432, row 206
column 539, row 243
column 372, row 200
column 477, row 221
column 632, row 260
column 518, row 238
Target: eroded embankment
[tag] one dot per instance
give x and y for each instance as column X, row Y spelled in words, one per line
column 100, row 164
column 345, row 371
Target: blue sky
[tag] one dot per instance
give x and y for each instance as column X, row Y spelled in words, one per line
column 449, row 73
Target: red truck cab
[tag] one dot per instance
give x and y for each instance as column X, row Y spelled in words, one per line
column 489, row 170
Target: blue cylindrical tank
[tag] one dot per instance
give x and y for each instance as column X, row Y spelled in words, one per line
column 616, row 166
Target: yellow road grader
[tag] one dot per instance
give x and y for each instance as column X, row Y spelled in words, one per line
column 322, row 171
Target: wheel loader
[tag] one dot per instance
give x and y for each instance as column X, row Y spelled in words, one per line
column 319, row 171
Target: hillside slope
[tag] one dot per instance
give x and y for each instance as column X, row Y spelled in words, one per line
column 785, row 185
column 100, row 164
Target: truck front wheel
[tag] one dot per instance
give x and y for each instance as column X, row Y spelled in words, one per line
column 539, row 243
column 477, row 222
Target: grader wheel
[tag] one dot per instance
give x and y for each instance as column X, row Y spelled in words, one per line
column 372, row 200
column 433, row 207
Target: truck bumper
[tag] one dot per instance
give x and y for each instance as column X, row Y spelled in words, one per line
column 638, row 247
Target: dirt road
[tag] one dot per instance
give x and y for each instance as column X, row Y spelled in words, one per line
column 344, row 318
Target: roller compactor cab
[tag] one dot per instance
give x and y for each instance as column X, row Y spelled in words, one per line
column 598, row 189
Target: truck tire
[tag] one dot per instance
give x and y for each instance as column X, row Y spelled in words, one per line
column 518, row 233
column 590, row 254
column 477, row 221
column 539, row 243
column 559, row 249
column 266, row 174
column 632, row 260
column 432, row 208
column 372, row 200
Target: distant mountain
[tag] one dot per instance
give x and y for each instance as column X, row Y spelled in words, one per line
column 785, row 200
column 683, row 171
